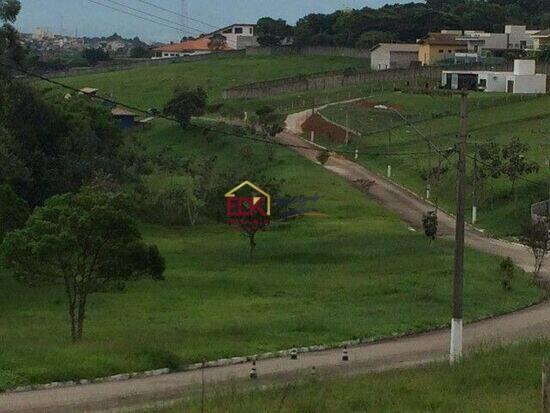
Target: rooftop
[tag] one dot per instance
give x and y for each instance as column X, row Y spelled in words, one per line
column 397, row 47
column 442, row 39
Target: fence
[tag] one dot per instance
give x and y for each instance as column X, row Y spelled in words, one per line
column 122, row 64
column 309, row 51
column 328, row 80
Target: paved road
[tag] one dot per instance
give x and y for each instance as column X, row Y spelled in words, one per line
column 418, row 349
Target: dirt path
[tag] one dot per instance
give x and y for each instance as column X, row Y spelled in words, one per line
column 409, row 206
column 403, row 352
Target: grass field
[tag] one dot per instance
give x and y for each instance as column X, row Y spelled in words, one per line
column 490, row 381
column 491, row 117
column 356, row 272
column 152, row 86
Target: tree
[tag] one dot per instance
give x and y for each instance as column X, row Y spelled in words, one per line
column 490, row 165
column 536, row 235
column 429, row 222
column 48, row 149
column 272, row 32
column 13, row 211
column 185, row 104
column 515, row 165
column 87, row 242
column 369, row 39
column 10, row 48
column 94, row 56
column 140, row 52
column 507, row 270
column 217, row 42
column 543, row 55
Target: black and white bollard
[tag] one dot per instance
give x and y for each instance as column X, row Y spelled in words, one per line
column 345, row 355
column 253, row 371
column 294, row 354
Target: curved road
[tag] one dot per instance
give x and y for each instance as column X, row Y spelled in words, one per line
column 387, row 354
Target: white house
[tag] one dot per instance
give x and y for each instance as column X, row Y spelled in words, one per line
column 393, row 55
column 239, row 36
column 523, row 80
column 513, row 38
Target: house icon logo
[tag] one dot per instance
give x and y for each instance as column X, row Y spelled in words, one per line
column 248, row 201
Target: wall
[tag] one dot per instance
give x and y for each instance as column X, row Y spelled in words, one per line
column 529, row 83
column 380, row 59
column 328, row 80
column 309, row 51
column 402, row 60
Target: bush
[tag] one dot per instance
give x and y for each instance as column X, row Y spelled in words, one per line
column 507, row 270
column 185, row 104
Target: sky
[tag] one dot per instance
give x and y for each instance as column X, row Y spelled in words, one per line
column 89, row 19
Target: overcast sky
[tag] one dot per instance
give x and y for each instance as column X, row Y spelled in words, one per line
column 92, row 19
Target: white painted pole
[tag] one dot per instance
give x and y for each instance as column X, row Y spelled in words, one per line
column 312, row 136
column 428, row 191
column 456, row 340
column 357, row 154
column 474, row 215
column 389, row 171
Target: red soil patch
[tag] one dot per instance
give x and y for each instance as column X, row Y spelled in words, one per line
column 321, row 127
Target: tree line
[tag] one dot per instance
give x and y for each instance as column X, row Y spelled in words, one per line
column 366, row 27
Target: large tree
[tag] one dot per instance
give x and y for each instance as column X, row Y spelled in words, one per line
column 9, row 45
column 185, row 104
column 86, row 242
column 47, row 148
column 272, row 32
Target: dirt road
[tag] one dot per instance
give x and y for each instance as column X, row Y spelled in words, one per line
column 417, row 349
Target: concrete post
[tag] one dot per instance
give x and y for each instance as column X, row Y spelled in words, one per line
column 312, row 136
column 389, row 171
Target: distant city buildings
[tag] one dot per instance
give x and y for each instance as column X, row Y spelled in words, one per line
column 44, row 42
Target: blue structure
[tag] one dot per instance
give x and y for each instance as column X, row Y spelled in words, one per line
column 125, row 118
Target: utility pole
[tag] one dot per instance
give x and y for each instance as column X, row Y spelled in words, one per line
column 474, row 188
column 347, row 127
column 458, row 282
column 389, row 148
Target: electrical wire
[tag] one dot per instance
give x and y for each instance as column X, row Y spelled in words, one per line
column 209, row 129
column 177, row 14
column 137, row 16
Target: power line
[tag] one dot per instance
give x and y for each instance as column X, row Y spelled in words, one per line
column 177, row 14
column 240, row 136
column 152, row 15
column 138, row 16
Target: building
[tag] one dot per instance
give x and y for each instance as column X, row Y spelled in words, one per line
column 541, row 39
column 237, row 37
column 125, row 118
column 513, row 38
column 436, row 47
column 523, row 80
column 393, row 55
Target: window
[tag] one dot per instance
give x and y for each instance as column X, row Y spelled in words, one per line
column 441, row 50
column 523, row 44
column 228, row 31
column 251, row 30
column 483, row 83
column 450, row 51
column 238, row 30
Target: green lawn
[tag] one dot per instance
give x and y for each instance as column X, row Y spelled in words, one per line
column 356, row 272
column 152, row 86
column 490, row 381
column 491, row 116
